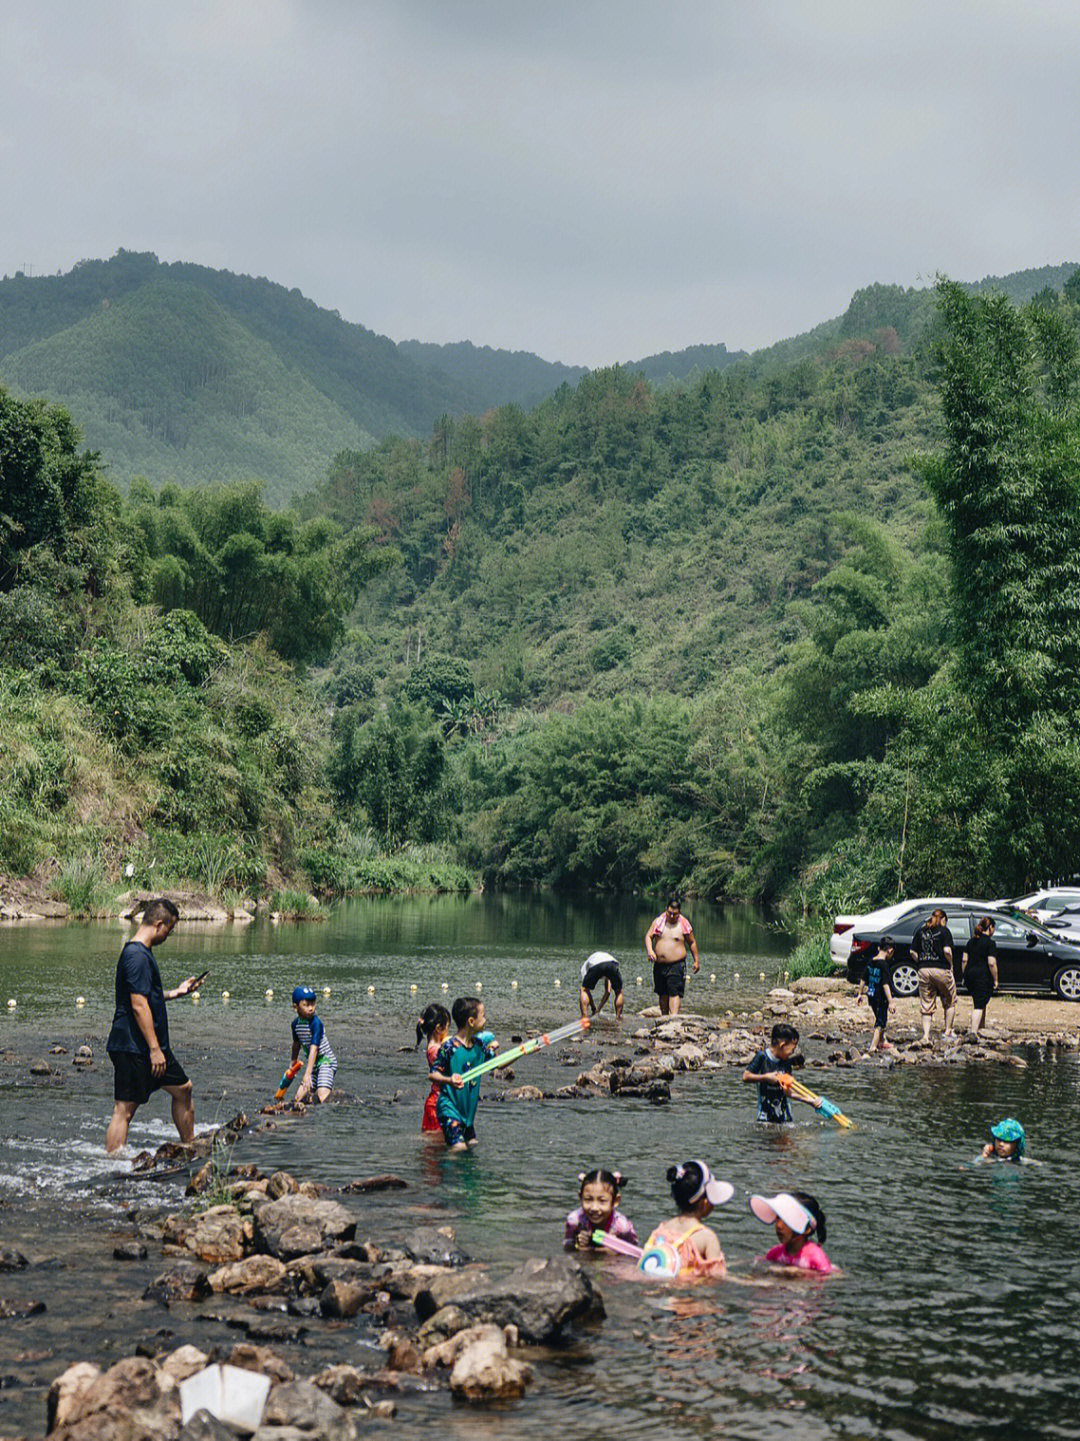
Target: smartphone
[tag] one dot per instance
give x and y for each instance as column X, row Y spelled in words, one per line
column 199, row 979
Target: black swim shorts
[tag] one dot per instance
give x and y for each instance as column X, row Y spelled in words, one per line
column 669, row 978
column 606, row 969
column 133, row 1080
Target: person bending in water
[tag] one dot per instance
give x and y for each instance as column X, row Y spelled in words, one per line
column 457, row 1103
column 796, row 1216
column 309, row 1037
column 601, row 966
column 1008, row 1142
column 666, row 941
column 434, row 1027
column 600, row 1194
column 695, row 1191
column 771, row 1071
column 138, row 1043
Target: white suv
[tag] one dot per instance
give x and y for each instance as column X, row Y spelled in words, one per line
column 844, row 927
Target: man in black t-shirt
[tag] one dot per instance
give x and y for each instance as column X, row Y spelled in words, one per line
column 138, row 1043
column 932, row 954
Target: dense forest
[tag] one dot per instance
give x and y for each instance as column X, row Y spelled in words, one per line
column 802, row 630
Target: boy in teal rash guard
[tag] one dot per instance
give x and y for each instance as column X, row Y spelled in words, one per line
column 457, row 1103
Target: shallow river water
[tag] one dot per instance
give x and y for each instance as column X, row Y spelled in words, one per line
column 955, row 1312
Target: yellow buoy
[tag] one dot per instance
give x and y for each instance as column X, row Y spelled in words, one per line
column 639, row 980
column 194, row 998
column 326, row 990
column 12, row 1004
column 513, row 985
column 413, row 989
column 761, row 976
column 736, row 976
column 270, row 993
column 371, row 990
column 712, row 977
column 445, row 986
column 224, row 995
column 558, row 983
column 479, row 987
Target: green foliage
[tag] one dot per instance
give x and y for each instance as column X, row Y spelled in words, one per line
column 391, row 772
column 439, row 680
column 82, row 884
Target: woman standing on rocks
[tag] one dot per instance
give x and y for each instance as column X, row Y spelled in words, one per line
column 979, row 969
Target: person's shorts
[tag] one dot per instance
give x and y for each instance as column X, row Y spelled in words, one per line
column 879, row 1004
column 934, row 983
column 980, row 996
column 669, row 978
column 133, row 1080
column 323, row 1076
column 606, row 970
column 454, row 1131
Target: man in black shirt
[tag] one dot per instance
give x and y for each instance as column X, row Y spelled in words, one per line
column 932, row 954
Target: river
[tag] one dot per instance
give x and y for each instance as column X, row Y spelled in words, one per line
column 955, row 1310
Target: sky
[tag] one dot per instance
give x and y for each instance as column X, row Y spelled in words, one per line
column 591, row 180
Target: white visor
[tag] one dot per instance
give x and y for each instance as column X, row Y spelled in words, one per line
column 783, row 1205
column 716, row 1192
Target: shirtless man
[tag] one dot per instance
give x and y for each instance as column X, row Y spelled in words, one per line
column 666, row 941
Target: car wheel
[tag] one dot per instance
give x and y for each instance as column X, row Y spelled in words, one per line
column 1067, row 983
column 905, row 981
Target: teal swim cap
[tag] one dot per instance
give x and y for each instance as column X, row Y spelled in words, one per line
column 1010, row 1130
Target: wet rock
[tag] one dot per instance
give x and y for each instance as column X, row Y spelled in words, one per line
column 13, row 1308
column 268, row 1328
column 132, row 1401
column 130, row 1251
column 689, row 1057
column 446, row 1352
column 447, row 1321
column 281, row 1183
column 342, row 1300
column 58, row 1050
column 524, row 1093
column 345, row 1384
column 310, row 1410
column 540, row 1297
column 820, row 985
column 176, row 1229
column 186, row 1282
column 256, row 1273
column 12, row 1260
column 433, row 1246
column 485, row 1371
column 204, row 1427
column 286, row 1227
column 218, row 1235
column 377, row 1183
column 314, row 1273
column 65, row 1393
column 261, row 1359
column 40, row 1067
column 185, row 1361
column 401, row 1352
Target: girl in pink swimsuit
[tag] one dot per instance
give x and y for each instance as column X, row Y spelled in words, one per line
column 796, row 1216
column 695, row 1191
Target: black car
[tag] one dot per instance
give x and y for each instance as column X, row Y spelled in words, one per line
column 1030, row 958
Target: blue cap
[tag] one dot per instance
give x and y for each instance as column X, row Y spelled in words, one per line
column 303, row 993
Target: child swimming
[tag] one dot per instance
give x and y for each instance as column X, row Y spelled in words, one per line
column 434, row 1025
column 695, row 1191
column 599, row 1193
column 796, row 1215
column 457, row 1101
column 1008, row 1143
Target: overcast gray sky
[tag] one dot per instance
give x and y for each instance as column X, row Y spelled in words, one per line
column 591, row 180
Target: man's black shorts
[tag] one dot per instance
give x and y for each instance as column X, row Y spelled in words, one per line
column 669, row 978
column 605, row 970
column 133, row 1079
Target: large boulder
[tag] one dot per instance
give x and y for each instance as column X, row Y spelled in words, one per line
column 186, row 1282
column 218, row 1235
column 295, row 1225
column 539, row 1297
column 131, row 1401
column 306, row 1408
column 256, row 1273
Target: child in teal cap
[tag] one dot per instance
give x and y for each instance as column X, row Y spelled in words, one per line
column 1008, row 1144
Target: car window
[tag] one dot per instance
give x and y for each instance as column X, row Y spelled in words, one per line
column 960, row 927
column 1053, row 904
column 1009, row 931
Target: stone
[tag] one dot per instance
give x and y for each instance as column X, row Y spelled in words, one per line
column 186, row 1282
column 131, row 1401
column 524, row 1093
column 401, row 1352
column 447, row 1352
column 781, row 993
column 820, row 985
column 65, row 1393
column 539, row 1297
column 218, row 1235
column 285, row 1227
column 12, row 1260
column 255, row 1273
column 347, row 1385
column 689, row 1057
column 314, row 1273
column 386, row 1182
column 40, row 1067
column 342, row 1300
column 184, row 1362
column 14, row 1308
column 310, row 1410
column 260, row 1358
column 447, row 1321
column 130, row 1251
column 281, row 1183
column 485, row 1371
column 433, row 1246
column 204, row 1427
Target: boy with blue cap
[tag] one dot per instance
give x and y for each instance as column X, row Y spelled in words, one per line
column 309, row 1036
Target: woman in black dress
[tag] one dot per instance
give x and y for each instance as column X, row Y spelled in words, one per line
column 979, row 968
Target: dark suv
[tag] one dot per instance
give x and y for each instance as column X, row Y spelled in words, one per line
column 1030, row 958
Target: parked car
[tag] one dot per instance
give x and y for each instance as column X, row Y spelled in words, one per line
column 1065, row 924
column 1046, row 904
column 845, row 927
column 1031, row 958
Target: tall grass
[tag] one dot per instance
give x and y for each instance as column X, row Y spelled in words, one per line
column 811, row 955
column 82, row 884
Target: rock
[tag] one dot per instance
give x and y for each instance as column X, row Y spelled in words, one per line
column 347, row 1385
column 132, row 1401
column 433, row 1246
column 186, row 1282
column 310, row 1410
column 341, row 1300
column 401, row 1352
column 447, row 1352
column 258, row 1358
column 62, row 1403
column 256, row 1273
column 285, row 1227
column 14, row 1308
column 218, row 1235
column 524, row 1093
column 689, row 1057
column 40, row 1067
column 539, row 1297
column 447, row 1321
column 185, row 1361
column 781, row 993
column 12, row 1260
column 377, row 1183
column 204, row 1427
column 130, row 1251
column 485, row 1371
column 314, row 1273
column 176, row 1229
column 820, row 985
column 281, row 1183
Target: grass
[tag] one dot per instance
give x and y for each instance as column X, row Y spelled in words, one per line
column 82, row 884
column 295, row 906
column 811, row 955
